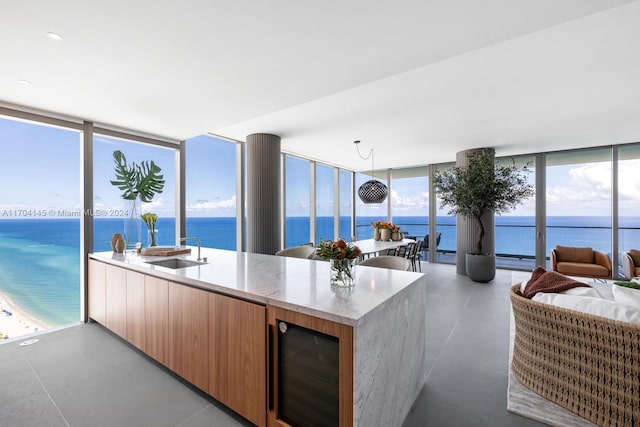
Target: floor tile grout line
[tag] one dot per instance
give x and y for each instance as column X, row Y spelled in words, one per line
column 451, row 332
column 44, row 388
column 194, row 414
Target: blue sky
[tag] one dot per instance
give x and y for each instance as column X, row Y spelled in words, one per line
column 40, row 171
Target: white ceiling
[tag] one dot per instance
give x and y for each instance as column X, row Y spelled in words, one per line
column 417, row 80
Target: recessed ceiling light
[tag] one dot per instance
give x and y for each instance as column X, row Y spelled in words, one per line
column 54, row 36
column 24, row 82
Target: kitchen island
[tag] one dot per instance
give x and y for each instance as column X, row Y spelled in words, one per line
column 223, row 327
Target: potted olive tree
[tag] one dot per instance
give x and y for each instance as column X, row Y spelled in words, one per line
column 483, row 186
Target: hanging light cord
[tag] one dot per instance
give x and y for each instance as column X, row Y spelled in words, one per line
column 363, row 157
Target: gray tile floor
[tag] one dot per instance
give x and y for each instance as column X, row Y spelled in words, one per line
column 85, row 376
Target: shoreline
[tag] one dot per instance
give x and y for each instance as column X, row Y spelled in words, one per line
column 19, row 322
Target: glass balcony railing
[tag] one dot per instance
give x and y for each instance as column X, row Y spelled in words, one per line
column 516, row 243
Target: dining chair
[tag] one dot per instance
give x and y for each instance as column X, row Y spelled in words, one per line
column 388, row 261
column 425, row 242
column 402, row 251
column 414, row 255
column 297, row 252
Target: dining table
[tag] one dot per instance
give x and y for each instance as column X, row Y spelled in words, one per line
column 371, row 247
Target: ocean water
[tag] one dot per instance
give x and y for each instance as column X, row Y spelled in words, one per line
column 39, row 267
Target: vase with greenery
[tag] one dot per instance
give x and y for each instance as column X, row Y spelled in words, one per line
column 138, row 182
column 342, row 256
column 150, row 221
column 483, row 186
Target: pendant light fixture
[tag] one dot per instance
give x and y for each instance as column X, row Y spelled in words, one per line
column 372, row 191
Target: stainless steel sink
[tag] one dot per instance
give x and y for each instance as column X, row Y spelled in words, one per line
column 175, row 263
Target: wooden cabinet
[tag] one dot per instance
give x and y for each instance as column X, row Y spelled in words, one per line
column 156, row 318
column 237, row 349
column 116, row 299
column 189, row 333
column 217, row 343
column 97, row 296
column 135, row 309
column 311, row 369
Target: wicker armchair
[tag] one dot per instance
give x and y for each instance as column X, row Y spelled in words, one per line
column 587, row 364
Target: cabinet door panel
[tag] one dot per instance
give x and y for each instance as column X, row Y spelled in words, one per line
column 116, row 306
column 97, row 297
column 156, row 318
column 237, row 345
column 188, row 334
column 135, row 309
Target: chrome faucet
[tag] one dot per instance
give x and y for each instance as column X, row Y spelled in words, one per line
column 184, row 239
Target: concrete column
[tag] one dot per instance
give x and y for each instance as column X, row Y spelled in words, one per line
column 263, row 193
column 466, row 229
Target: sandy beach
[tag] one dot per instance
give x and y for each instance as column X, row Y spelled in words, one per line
column 19, row 322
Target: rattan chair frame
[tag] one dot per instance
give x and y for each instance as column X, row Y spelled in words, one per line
column 589, row 365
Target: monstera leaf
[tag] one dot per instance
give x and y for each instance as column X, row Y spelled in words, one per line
column 125, row 176
column 135, row 180
column 150, row 182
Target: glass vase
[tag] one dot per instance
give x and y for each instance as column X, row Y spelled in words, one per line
column 342, row 273
column 132, row 225
column 152, row 237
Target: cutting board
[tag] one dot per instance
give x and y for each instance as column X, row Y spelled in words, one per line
column 164, row 251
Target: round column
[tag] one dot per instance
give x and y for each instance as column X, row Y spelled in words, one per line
column 467, row 229
column 263, row 193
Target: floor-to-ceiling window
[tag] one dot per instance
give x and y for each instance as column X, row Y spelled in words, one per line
column 39, row 227
column 368, row 212
column 297, row 196
column 346, row 197
column 515, row 237
column 628, row 198
column 210, row 175
column 324, row 202
column 122, row 215
column 445, row 226
column 578, row 199
column 410, row 201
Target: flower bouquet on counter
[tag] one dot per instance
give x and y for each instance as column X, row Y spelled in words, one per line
column 341, row 256
column 150, row 220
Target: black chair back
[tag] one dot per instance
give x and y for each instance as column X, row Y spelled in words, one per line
column 425, row 243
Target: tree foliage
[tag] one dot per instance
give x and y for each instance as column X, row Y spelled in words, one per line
column 483, row 186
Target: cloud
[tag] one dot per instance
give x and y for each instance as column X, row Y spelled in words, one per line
column 588, row 189
column 218, row 206
column 154, row 205
column 413, row 205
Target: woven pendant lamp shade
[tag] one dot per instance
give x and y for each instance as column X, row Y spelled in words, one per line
column 373, row 191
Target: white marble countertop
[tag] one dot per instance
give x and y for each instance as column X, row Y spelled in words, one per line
column 291, row 283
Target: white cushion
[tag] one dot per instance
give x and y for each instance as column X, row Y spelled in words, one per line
column 580, row 290
column 627, row 296
column 596, row 306
column 583, row 291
